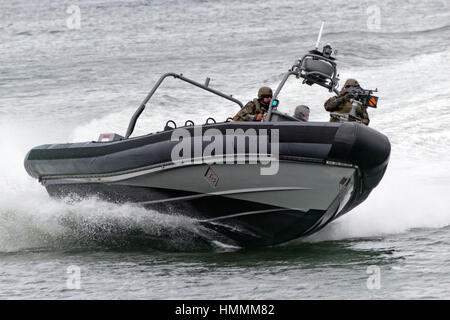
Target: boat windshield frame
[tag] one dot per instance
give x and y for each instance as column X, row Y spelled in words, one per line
column 180, row 76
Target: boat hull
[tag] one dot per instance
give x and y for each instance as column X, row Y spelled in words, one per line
column 264, row 210
column 321, row 171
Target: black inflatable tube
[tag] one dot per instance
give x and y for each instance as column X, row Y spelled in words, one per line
column 350, row 143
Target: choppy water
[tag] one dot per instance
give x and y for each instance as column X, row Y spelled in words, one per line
column 59, row 84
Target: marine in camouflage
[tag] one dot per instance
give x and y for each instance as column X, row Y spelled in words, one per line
column 342, row 105
column 251, row 110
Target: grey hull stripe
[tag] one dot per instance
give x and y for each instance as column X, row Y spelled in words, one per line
column 222, row 193
column 243, row 214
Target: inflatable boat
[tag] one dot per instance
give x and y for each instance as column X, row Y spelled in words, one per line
column 257, row 183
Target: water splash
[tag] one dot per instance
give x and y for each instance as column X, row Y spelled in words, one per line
column 30, row 219
column 411, row 195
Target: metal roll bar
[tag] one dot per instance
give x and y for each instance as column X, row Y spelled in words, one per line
column 205, row 86
column 277, row 91
column 299, row 70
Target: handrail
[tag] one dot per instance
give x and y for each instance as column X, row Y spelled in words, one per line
column 277, row 91
column 141, row 108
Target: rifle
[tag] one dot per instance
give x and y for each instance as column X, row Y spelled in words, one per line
column 363, row 96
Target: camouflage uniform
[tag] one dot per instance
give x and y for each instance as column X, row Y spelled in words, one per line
column 251, row 110
column 342, row 105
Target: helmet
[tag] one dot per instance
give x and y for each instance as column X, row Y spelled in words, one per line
column 302, row 112
column 351, row 83
column 264, row 91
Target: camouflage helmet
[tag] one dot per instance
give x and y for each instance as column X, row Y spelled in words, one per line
column 264, row 91
column 351, row 83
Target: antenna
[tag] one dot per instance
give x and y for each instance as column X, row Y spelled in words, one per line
column 320, row 36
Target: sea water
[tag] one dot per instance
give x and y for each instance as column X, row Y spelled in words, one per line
column 72, row 70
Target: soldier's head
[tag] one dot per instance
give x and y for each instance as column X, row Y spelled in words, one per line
column 350, row 83
column 264, row 95
column 302, row 112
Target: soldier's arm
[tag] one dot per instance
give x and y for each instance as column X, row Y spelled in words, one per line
column 245, row 114
column 334, row 103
